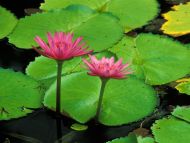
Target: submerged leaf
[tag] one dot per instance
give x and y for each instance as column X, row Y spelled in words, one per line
column 18, row 93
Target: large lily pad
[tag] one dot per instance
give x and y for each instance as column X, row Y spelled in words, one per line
column 132, row 14
column 17, row 93
column 171, row 130
column 7, row 22
column 154, row 58
column 80, row 93
column 100, row 31
column 178, row 20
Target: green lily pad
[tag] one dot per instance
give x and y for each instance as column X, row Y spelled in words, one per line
column 44, row 68
column 171, row 130
column 18, row 93
column 79, row 127
column 132, row 14
column 80, row 94
column 157, row 62
column 7, row 22
column 182, row 113
column 100, row 31
column 145, row 140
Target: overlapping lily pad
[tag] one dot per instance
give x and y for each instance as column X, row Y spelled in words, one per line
column 154, row 58
column 182, row 113
column 178, row 22
column 17, row 93
column 7, row 22
column 132, row 14
column 80, row 93
column 100, row 31
column 171, row 130
column 184, row 86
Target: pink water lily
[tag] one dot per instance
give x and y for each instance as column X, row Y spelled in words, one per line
column 107, row 67
column 61, row 46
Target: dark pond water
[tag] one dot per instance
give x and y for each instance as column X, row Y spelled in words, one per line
column 41, row 126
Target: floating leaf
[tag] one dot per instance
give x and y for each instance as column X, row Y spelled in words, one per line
column 79, row 127
column 145, row 140
column 44, row 68
column 182, row 113
column 100, row 31
column 171, row 130
column 178, row 22
column 80, row 94
column 17, row 93
column 132, row 14
column 157, row 62
column 184, row 87
column 7, row 22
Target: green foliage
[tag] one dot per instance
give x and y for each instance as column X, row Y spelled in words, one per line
column 7, row 22
column 100, row 31
column 184, row 87
column 178, row 22
column 17, row 93
column 79, row 127
column 44, row 68
column 154, row 58
column 171, row 130
column 80, row 94
column 132, row 14
column 182, row 113
column 145, row 140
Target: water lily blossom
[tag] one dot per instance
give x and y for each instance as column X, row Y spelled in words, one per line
column 107, row 68
column 61, row 46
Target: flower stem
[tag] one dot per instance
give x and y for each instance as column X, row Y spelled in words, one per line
column 58, row 89
column 104, row 81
